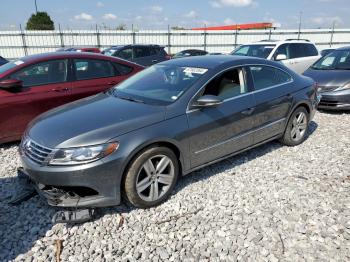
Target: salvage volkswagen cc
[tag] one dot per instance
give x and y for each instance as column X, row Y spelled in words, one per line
column 136, row 139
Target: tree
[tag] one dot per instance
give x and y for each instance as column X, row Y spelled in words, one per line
column 40, row 21
column 121, row 27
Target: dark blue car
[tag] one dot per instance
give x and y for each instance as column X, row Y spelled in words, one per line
column 138, row 138
column 3, row 61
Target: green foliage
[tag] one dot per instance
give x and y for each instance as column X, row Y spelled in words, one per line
column 40, row 21
column 121, row 27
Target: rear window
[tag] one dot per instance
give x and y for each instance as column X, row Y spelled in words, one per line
column 141, row 51
column 122, row 69
column 261, row 51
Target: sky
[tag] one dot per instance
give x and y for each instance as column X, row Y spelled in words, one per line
column 158, row 14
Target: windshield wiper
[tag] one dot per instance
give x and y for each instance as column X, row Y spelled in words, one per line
column 130, row 99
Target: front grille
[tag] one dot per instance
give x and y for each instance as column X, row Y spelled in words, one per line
column 328, row 103
column 35, row 152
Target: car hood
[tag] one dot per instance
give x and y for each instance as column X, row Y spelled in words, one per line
column 92, row 121
column 330, row 78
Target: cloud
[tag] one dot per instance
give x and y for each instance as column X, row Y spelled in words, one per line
column 229, row 21
column 109, row 16
column 324, row 20
column 156, row 9
column 191, row 14
column 234, row 3
column 83, row 16
column 100, row 4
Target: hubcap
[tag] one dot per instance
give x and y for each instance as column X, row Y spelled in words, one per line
column 299, row 126
column 155, row 178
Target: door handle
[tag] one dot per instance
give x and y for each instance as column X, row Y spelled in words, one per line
column 249, row 111
column 154, row 61
column 59, row 90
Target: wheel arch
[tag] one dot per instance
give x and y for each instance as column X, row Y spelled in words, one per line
column 172, row 145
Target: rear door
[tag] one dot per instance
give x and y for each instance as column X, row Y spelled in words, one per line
column 273, row 95
column 92, row 76
column 222, row 130
column 45, row 86
column 142, row 56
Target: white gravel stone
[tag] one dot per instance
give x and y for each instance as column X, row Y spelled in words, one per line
column 272, row 203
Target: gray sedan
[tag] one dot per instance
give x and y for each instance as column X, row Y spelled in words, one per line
column 138, row 138
column 332, row 74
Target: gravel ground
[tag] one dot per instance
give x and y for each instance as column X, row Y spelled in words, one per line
column 269, row 204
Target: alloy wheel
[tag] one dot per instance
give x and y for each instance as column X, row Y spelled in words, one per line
column 155, row 177
column 299, row 126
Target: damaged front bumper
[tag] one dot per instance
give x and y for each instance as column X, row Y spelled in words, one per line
column 91, row 185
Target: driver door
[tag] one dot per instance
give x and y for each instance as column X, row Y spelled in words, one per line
column 222, row 130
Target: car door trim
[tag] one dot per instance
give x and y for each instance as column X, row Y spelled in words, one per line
column 241, row 136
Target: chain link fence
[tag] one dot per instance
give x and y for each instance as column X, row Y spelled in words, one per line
column 14, row 44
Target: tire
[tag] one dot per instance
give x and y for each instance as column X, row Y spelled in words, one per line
column 296, row 130
column 144, row 185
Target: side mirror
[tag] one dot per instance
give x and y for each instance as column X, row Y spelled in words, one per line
column 11, row 83
column 208, row 101
column 281, row 57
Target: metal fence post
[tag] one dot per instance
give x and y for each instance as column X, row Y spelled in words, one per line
column 98, row 37
column 332, row 34
column 133, row 33
column 61, row 35
column 205, row 38
column 23, row 41
column 236, row 36
column 270, row 34
column 169, row 41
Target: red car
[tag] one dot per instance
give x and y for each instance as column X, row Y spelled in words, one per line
column 35, row 84
column 80, row 49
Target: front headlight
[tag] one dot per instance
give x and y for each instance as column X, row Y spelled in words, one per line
column 82, row 155
column 344, row 87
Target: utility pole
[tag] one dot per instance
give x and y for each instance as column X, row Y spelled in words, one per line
column 36, row 7
column 300, row 16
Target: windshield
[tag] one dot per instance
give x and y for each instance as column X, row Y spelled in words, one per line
column 159, row 84
column 261, row 51
column 9, row 66
column 336, row 60
column 109, row 52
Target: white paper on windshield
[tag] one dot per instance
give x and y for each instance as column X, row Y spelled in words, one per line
column 18, row 62
column 195, row 70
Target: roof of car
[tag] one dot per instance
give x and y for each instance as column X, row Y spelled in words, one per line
column 213, row 61
column 345, row 48
column 60, row 55
column 130, row 45
column 275, row 42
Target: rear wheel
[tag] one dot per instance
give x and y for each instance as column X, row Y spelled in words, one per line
column 151, row 177
column 297, row 128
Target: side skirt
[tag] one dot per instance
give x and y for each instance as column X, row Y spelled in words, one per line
column 230, row 155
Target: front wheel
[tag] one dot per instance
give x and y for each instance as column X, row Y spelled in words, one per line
column 151, row 177
column 297, row 128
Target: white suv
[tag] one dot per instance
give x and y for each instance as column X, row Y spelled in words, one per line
column 296, row 54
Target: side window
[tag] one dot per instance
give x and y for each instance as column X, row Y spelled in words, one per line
column 44, row 73
column 310, row 50
column 125, row 54
column 227, row 85
column 154, row 50
column 122, row 69
column 266, row 76
column 90, row 68
column 141, row 51
column 296, row 51
column 282, row 50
